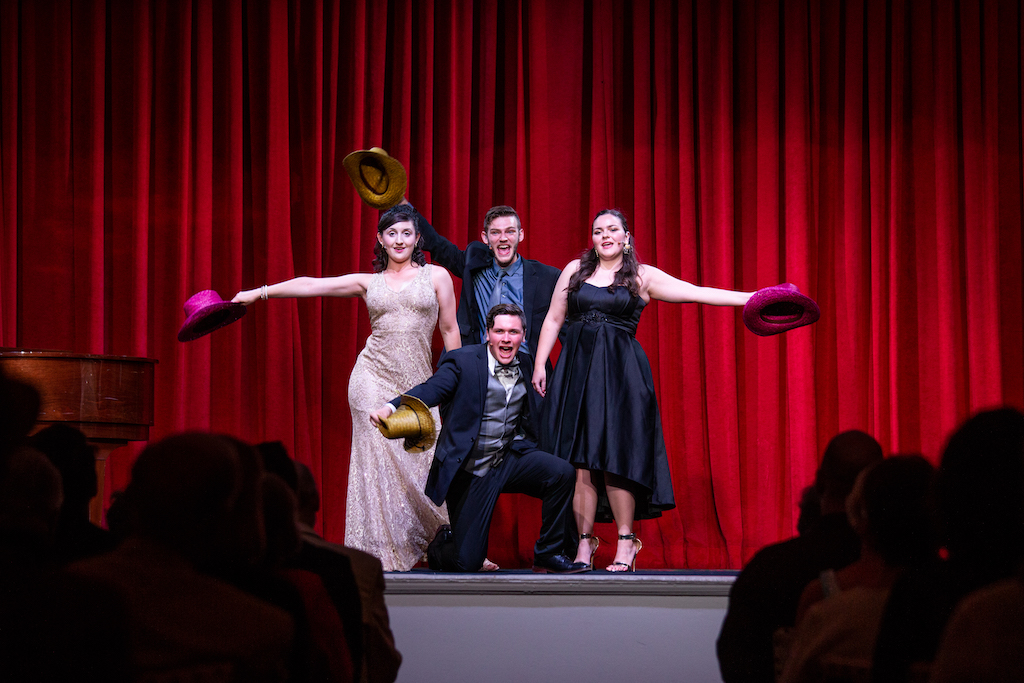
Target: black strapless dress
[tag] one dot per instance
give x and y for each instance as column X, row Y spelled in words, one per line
column 602, row 413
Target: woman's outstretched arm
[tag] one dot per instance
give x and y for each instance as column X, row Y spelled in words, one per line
column 353, row 284
column 661, row 286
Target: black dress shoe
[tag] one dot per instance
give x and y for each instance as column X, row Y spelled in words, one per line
column 558, row 564
column 442, row 538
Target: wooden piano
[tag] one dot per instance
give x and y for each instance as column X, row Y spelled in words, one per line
column 109, row 398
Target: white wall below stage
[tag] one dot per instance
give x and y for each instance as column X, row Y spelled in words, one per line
column 520, row 627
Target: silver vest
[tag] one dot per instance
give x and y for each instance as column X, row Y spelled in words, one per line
column 499, row 425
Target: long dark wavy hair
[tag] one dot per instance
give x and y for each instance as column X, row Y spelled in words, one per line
column 628, row 274
column 397, row 214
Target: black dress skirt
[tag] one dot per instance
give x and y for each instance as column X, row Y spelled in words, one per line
column 601, row 411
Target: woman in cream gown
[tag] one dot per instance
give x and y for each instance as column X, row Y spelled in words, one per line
column 387, row 513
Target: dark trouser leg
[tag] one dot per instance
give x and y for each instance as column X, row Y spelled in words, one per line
column 471, row 503
column 542, row 475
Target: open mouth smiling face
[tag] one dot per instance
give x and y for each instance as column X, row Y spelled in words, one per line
column 504, row 338
column 503, row 236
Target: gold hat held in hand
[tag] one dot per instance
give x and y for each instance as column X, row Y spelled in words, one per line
column 413, row 422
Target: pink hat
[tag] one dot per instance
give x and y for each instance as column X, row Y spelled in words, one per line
column 777, row 309
column 207, row 312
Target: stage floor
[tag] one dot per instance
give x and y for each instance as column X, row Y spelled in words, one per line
column 514, row 625
column 677, row 582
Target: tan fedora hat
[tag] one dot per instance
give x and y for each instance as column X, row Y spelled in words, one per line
column 379, row 178
column 413, row 421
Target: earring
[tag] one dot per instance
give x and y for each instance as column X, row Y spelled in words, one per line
column 627, row 248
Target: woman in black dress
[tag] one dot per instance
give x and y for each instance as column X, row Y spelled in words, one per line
column 602, row 415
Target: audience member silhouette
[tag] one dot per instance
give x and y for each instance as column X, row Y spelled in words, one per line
column 276, row 461
column 890, row 509
column 52, row 627
column 183, row 501
column 30, row 498
column 330, row 659
column 381, row 659
column 19, row 408
column 243, row 562
column 765, row 595
column 335, row 570
column 810, row 510
column 76, row 536
column 984, row 640
column 980, row 491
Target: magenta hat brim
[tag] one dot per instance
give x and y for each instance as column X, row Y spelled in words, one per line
column 208, row 315
column 778, row 309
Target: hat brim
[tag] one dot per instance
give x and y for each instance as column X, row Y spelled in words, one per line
column 391, row 171
column 210, row 318
column 778, row 309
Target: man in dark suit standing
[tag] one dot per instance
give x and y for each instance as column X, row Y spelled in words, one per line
column 488, row 446
column 492, row 273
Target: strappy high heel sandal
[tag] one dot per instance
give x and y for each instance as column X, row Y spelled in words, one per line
column 587, row 537
column 631, row 566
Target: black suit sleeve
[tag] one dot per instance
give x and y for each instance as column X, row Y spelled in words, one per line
column 440, row 388
column 442, row 250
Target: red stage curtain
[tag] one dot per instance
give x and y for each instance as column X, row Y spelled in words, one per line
column 867, row 150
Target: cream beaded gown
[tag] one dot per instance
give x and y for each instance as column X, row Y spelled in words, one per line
column 387, row 513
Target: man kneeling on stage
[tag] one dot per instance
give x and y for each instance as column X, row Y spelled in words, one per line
column 488, row 446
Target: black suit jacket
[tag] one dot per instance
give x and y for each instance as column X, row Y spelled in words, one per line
column 460, row 387
column 538, row 283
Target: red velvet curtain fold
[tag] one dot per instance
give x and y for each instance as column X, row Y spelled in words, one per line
column 867, row 150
